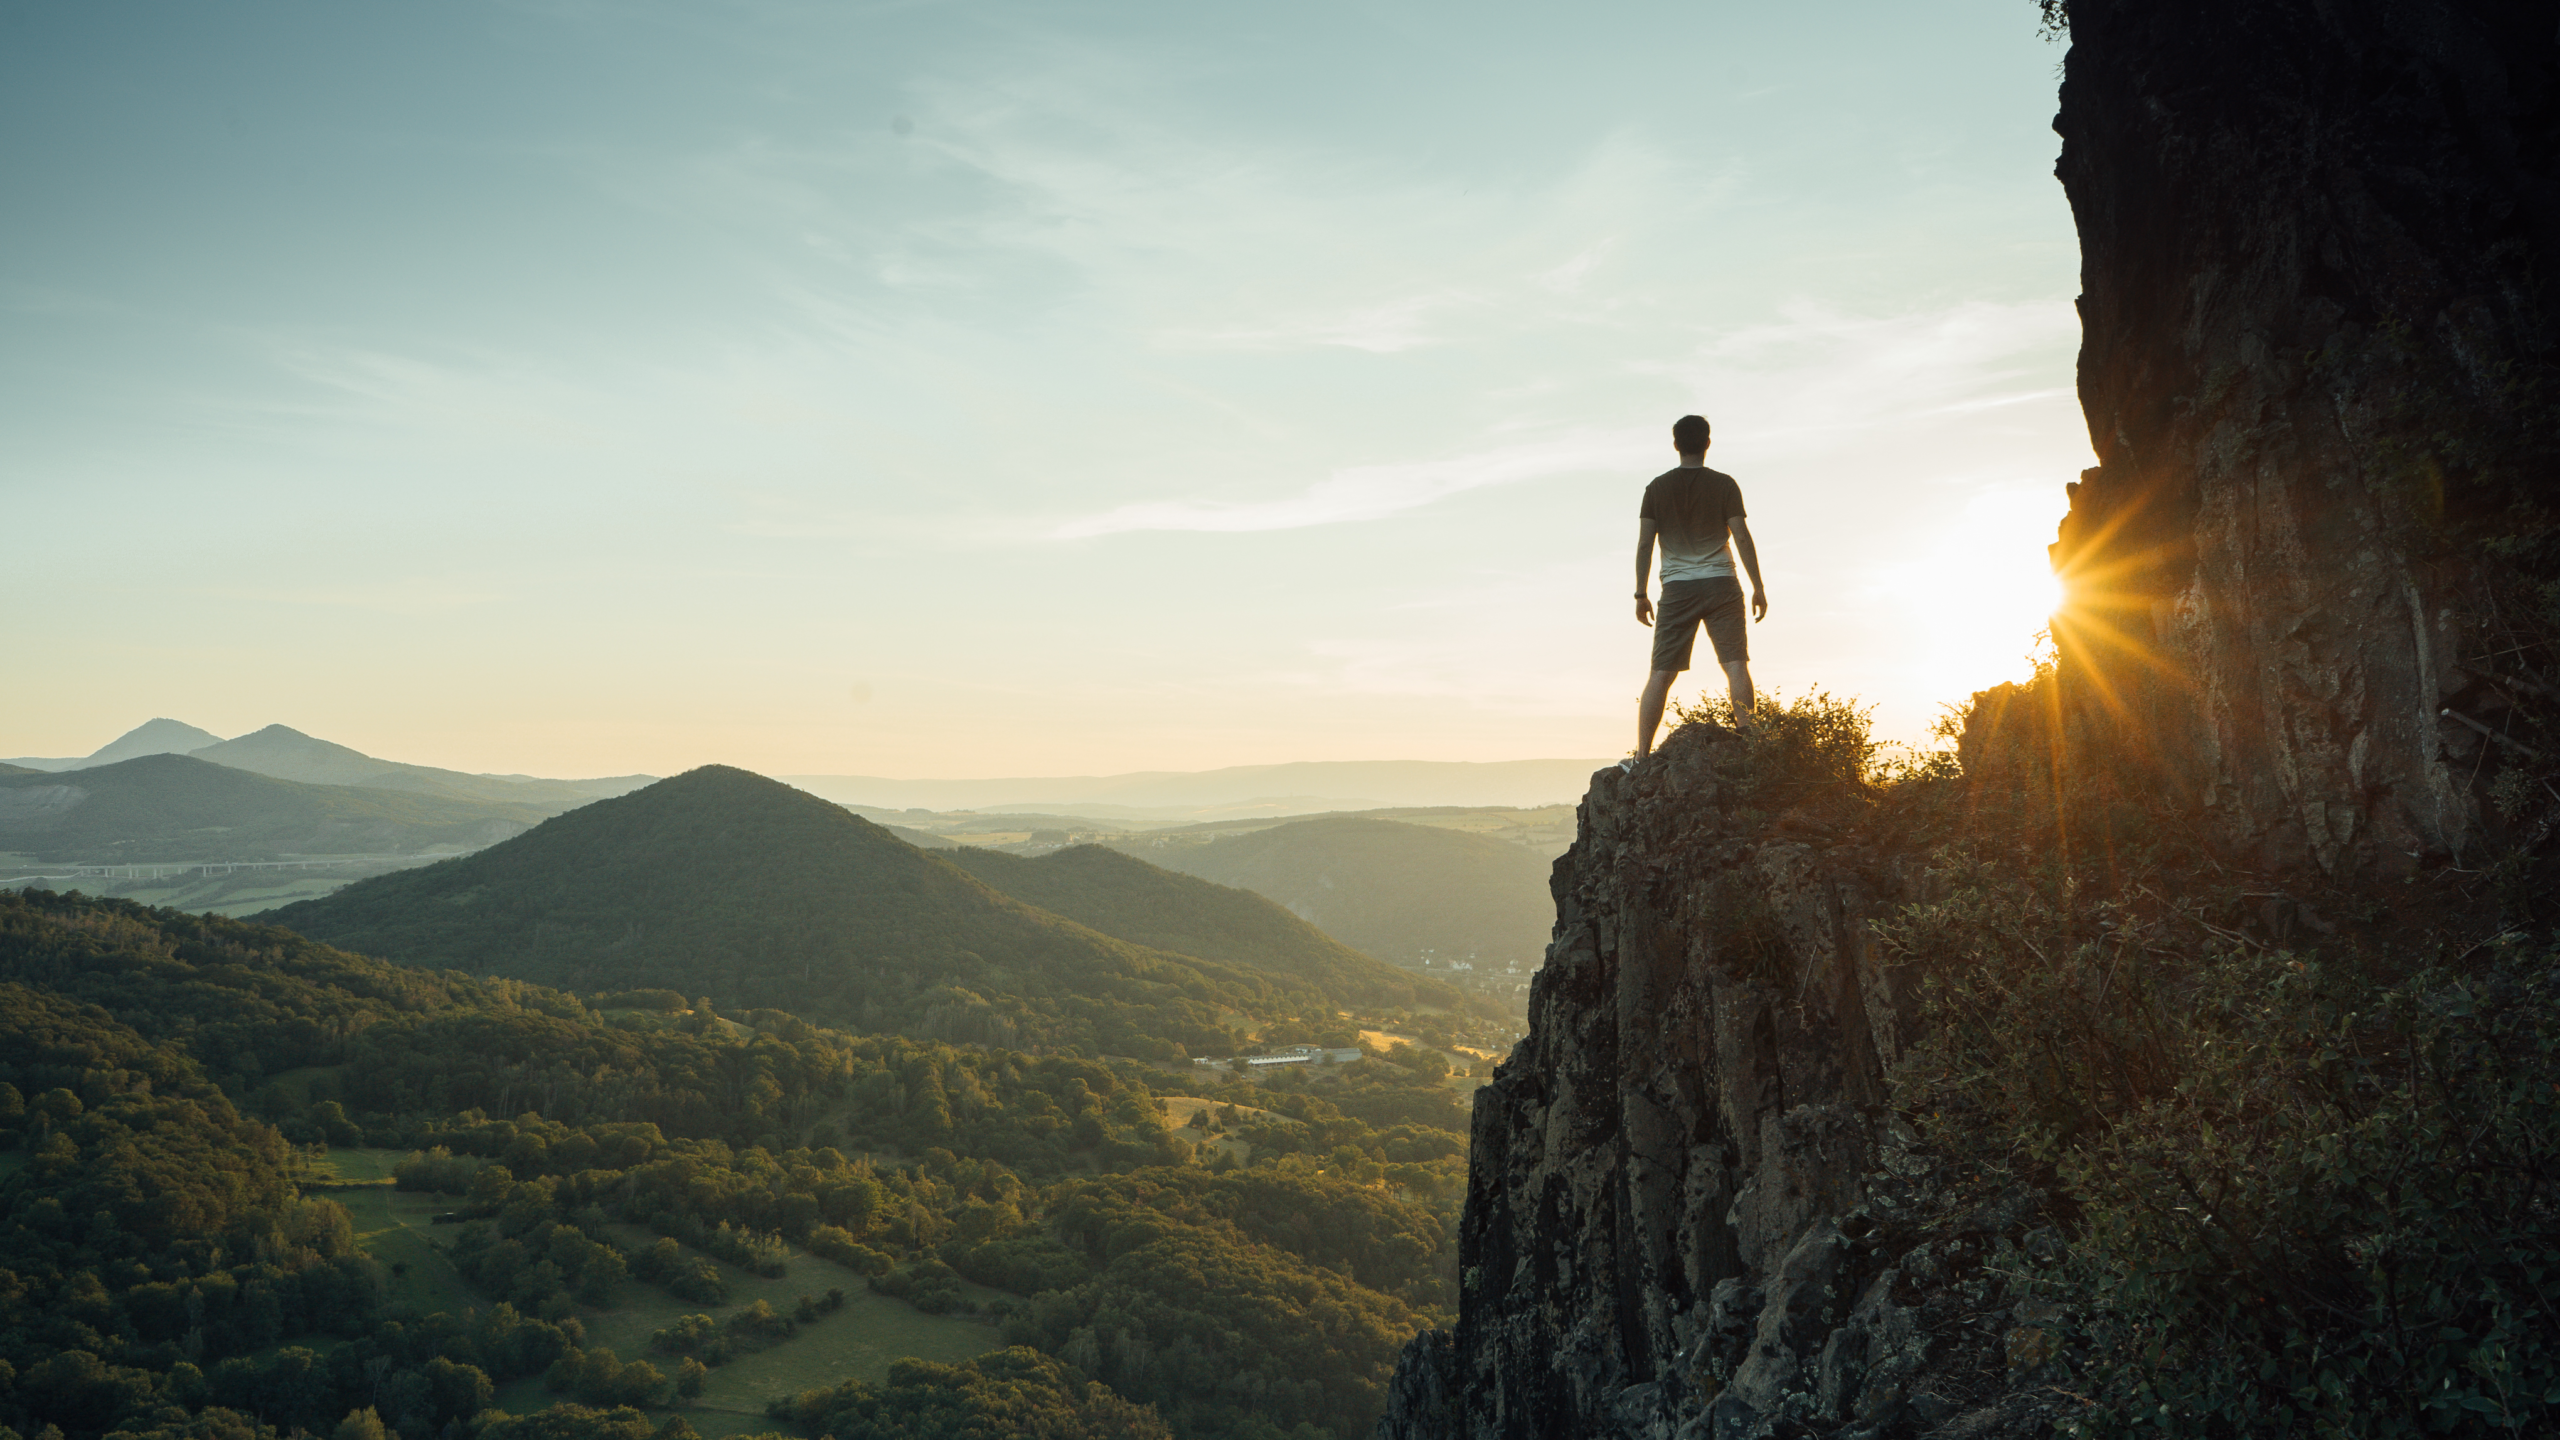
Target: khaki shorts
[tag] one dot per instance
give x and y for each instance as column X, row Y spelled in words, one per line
column 1685, row 605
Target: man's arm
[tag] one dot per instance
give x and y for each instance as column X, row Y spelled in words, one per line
column 1740, row 529
column 1645, row 530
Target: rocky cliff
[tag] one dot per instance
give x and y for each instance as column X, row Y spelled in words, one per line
column 2319, row 243
column 1691, row 1211
column 2313, row 615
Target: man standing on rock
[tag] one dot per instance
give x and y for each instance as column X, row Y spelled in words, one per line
column 1691, row 510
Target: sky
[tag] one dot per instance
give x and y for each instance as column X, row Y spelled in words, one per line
column 980, row 389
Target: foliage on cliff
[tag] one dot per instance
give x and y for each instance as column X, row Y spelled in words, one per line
column 2304, row 1141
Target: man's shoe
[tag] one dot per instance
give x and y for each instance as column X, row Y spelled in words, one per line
column 1629, row 764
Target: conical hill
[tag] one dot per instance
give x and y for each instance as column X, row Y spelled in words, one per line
column 725, row 884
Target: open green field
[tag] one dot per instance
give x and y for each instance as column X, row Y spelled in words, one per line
column 858, row 1341
column 393, row 1228
column 235, row 893
column 1178, row 1110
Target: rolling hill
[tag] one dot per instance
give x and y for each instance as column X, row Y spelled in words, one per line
column 284, row 753
column 175, row 807
column 287, row 754
column 726, row 884
column 1123, row 896
column 1391, row 889
column 151, row 737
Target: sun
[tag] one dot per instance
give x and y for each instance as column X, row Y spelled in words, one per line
column 1994, row 590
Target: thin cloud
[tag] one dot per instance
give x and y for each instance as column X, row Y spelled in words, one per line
column 1999, row 402
column 413, row 596
column 1818, row 375
column 1382, row 329
column 1369, row 492
column 1567, row 278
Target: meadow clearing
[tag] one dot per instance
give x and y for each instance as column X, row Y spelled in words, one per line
column 859, row 1341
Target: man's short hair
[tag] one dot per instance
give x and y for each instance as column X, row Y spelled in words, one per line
column 1689, row 434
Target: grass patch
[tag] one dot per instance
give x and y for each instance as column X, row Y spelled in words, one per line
column 1178, row 1110
column 357, row 1166
column 859, row 1341
column 392, row 1226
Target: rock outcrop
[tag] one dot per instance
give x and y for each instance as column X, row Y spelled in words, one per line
column 1691, row 1212
column 2318, row 245
column 2313, row 574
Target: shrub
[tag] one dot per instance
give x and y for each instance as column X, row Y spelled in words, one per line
column 700, row 1282
column 597, row 1377
column 689, row 1335
column 928, row 1285
column 438, row 1169
column 838, row 1244
column 1814, row 740
column 2312, row 1193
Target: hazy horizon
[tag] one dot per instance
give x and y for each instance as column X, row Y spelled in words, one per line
column 1303, row 787
column 1010, row 391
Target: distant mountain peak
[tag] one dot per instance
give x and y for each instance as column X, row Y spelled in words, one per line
column 161, row 736
column 284, row 753
column 287, row 735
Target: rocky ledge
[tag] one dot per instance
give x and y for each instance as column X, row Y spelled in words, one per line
column 1691, row 1212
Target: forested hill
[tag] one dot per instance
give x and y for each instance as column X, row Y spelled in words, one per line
column 1121, row 895
column 725, row 884
column 172, row 1268
column 1384, row 887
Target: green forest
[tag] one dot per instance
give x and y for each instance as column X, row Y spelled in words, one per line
column 179, row 1255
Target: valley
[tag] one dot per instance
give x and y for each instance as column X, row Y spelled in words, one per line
column 167, row 816
column 237, row 887
column 857, row 1106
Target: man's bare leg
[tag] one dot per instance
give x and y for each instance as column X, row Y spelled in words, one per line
column 1657, row 693
column 1737, row 681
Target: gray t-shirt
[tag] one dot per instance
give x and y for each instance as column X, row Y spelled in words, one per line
column 1691, row 508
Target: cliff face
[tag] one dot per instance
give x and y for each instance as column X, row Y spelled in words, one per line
column 1690, row 1212
column 2318, row 252
column 1684, row 1120
column 2311, row 576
